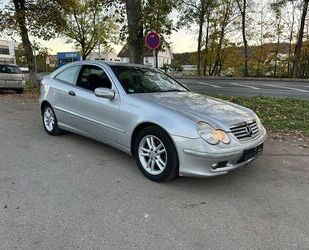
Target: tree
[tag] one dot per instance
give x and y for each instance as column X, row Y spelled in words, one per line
column 298, row 47
column 242, row 6
column 195, row 12
column 135, row 30
column 224, row 19
column 39, row 18
column 276, row 7
column 291, row 24
column 87, row 25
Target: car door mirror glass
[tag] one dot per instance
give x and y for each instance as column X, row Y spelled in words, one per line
column 105, row 93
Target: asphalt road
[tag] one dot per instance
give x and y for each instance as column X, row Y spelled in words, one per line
column 296, row 89
column 70, row 192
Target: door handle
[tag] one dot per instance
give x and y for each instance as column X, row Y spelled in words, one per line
column 72, row 93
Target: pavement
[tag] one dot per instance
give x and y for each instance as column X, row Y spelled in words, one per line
column 70, row 192
column 238, row 87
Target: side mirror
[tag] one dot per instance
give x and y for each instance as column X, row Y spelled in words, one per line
column 105, row 93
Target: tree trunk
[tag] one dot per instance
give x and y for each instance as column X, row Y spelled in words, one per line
column 297, row 54
column 291, row 41
column 246, row 71
column 19, row 6
column 277, row 47
column 135, row 26
column 206, row 48
column 243, row 13
column 212, row 48
column 218, row 63
column 199, row 46
column 200, row 36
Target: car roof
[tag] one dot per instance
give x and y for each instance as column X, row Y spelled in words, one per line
column 112, row 63
column 57, row 71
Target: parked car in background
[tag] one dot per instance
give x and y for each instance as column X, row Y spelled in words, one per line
column 11, row 78
column 140, row 110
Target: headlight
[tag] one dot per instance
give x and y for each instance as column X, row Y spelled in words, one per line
column 211, row 135
column 259, row 123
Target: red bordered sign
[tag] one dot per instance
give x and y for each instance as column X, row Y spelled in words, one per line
column 152, row 40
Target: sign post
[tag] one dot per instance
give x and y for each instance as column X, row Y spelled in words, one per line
column 153, row 41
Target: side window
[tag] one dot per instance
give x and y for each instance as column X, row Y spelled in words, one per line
column 92, row 77
column 69, row 75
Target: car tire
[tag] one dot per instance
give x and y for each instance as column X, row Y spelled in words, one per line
column 157, row 162
column 20, row 91
column 50, row 122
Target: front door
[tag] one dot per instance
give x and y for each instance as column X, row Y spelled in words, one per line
column 94, row 116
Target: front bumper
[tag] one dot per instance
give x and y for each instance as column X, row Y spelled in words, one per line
column 199, row 159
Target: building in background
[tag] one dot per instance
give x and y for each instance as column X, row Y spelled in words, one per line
column 104, row 56
column 67, row 57
column 7, row 51
column 165, row 56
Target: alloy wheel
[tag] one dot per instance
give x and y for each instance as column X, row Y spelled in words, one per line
column 49, row 119
column 152, row 154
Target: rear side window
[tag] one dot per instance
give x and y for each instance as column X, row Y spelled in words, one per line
column 69, row 75
column 10, row 69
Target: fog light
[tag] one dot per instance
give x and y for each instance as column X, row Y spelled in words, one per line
column 221, row 164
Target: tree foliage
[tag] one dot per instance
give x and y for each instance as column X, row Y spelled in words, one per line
column 89, row 23
column 38, row 18
column 196, row 12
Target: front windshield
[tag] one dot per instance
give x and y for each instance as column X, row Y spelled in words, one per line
column 145, row 80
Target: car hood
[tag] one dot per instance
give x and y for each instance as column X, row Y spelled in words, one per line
column 199, row 107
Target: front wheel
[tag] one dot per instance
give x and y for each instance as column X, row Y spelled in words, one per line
column 156, row 155
column 50, row 122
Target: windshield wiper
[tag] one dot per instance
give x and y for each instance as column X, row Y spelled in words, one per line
column 173, row 90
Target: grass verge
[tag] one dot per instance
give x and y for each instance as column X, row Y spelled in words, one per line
column 31, row 89
column 286, row 115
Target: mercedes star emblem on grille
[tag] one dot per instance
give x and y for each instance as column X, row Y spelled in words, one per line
column 249, row 130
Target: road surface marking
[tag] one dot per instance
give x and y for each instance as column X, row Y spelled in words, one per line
column 284, row 87
column 242, row 85
column 211, row 85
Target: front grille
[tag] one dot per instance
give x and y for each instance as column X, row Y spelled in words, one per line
column 245, row 131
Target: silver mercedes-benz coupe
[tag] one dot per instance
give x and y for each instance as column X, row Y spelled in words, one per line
column 140, row 110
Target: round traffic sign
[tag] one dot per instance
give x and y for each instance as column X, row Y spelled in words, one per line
column 152, row 40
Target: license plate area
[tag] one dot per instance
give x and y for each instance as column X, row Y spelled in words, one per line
column 251, row 153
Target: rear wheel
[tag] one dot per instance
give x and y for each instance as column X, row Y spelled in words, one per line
column 156, row 155
column 50, row 122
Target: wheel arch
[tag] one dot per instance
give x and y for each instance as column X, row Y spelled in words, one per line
column 142, row 126
column 43, row 104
